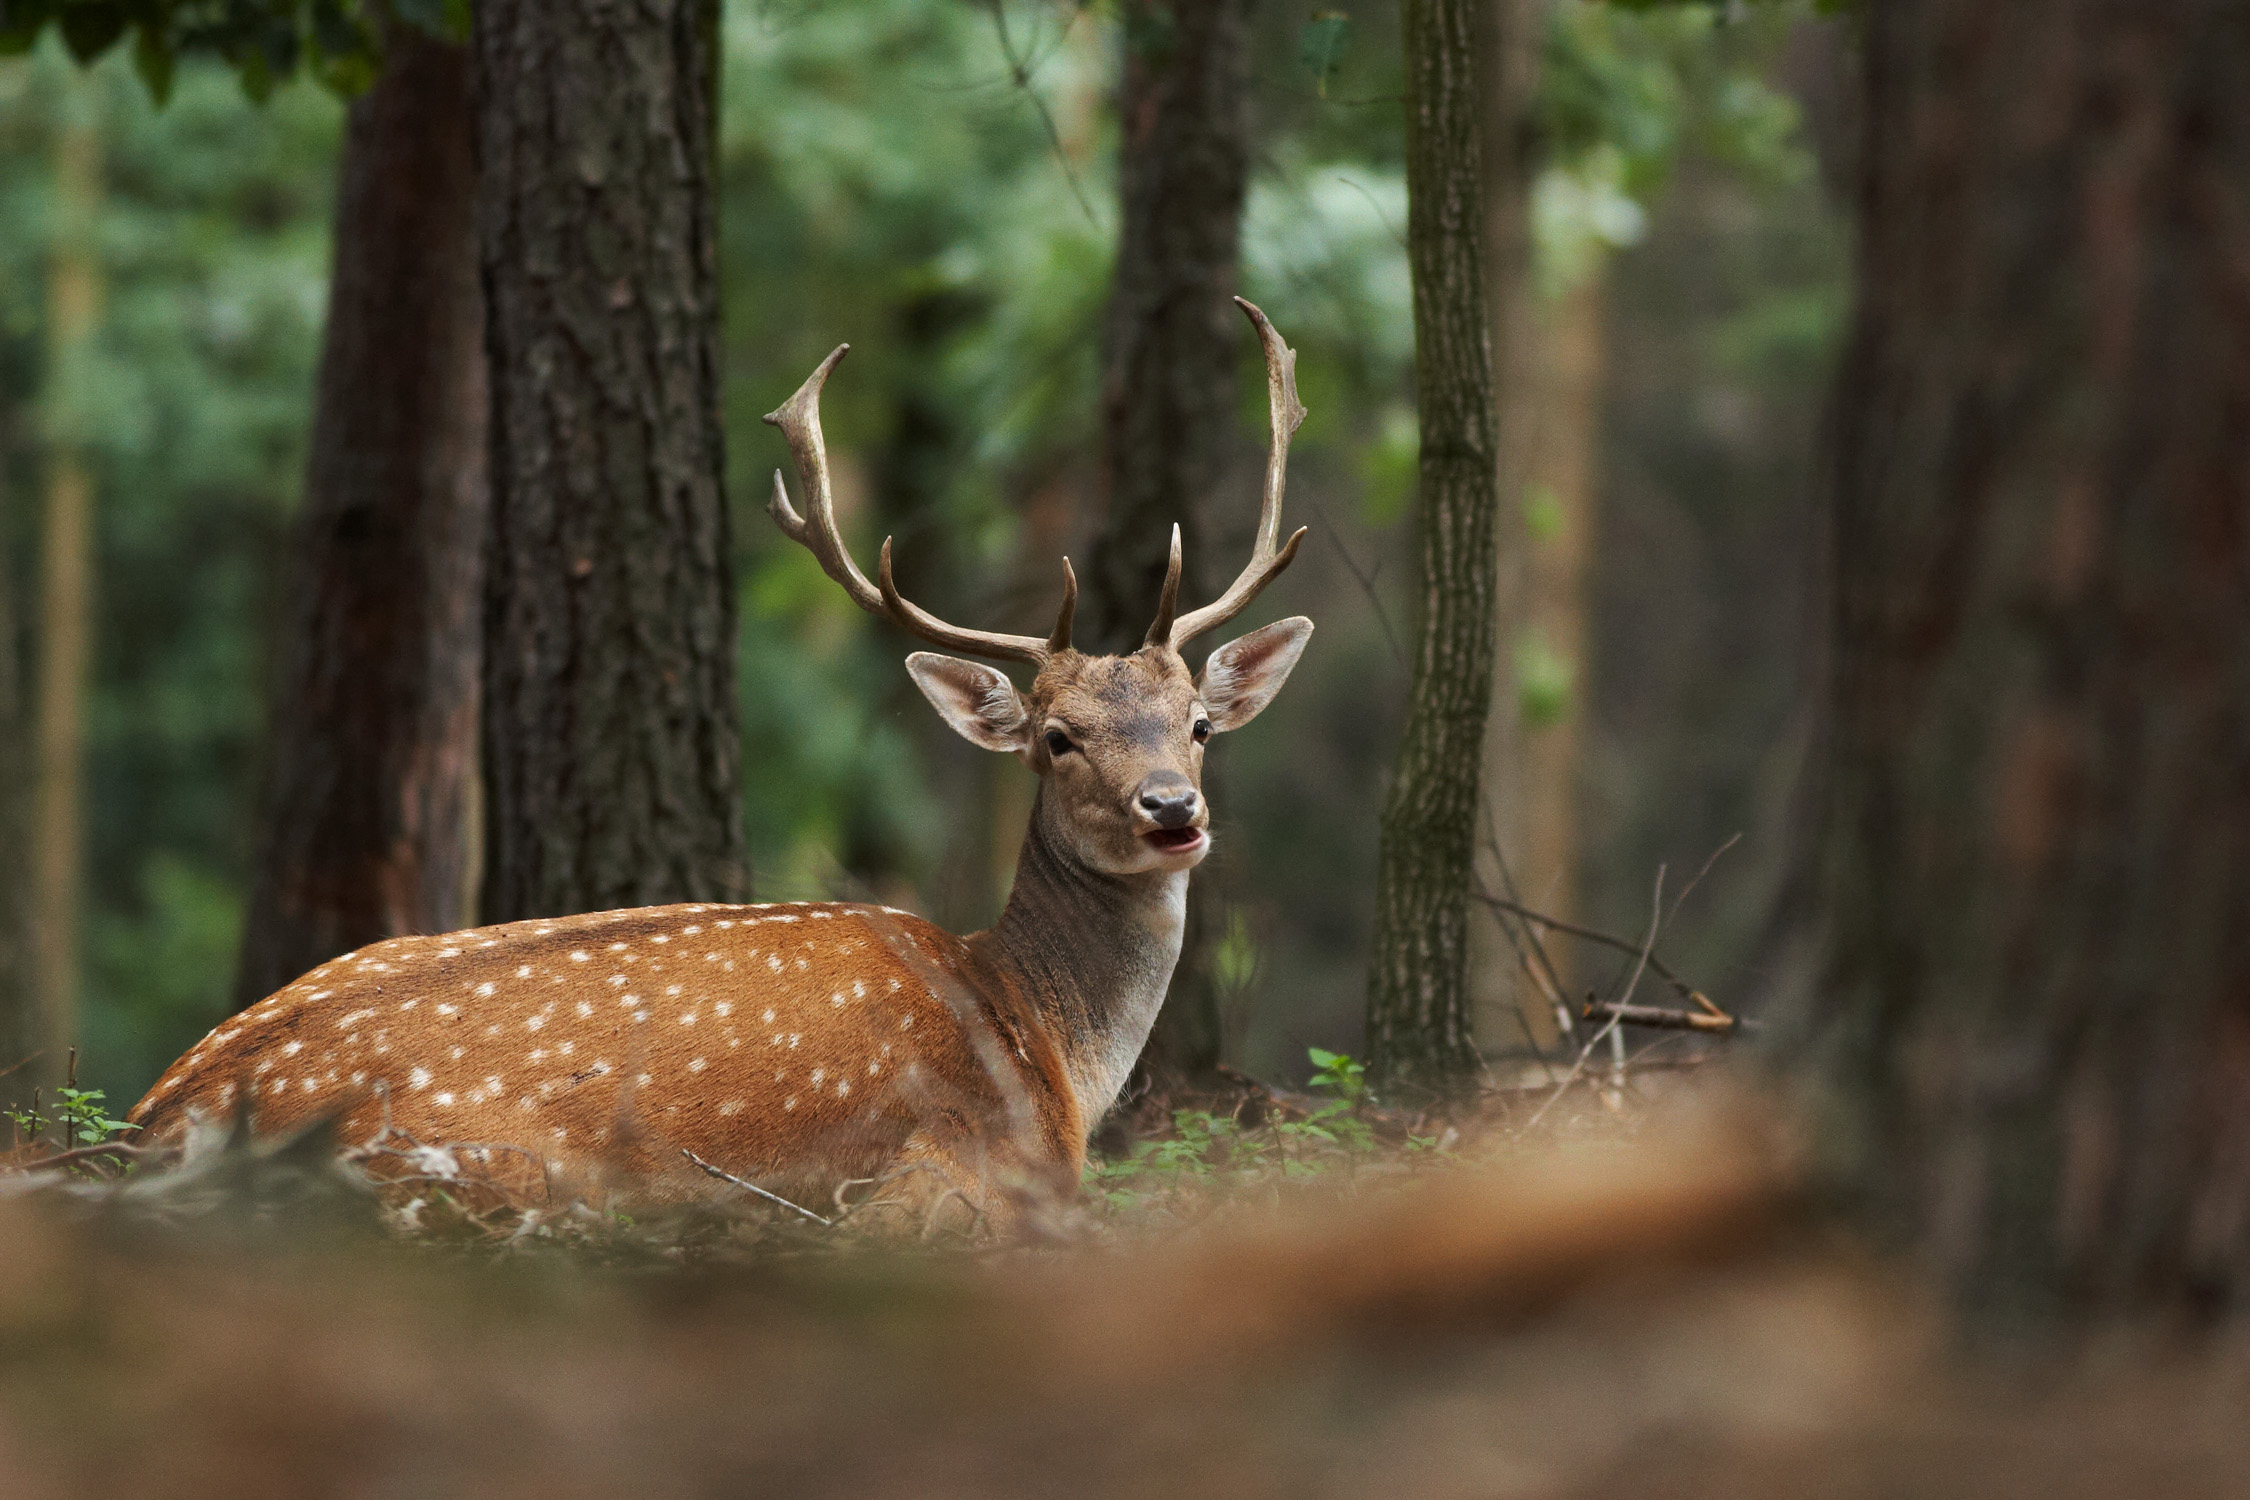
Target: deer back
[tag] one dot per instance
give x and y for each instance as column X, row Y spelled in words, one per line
column 800, row 1045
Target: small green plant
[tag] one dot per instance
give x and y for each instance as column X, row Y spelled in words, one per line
column 76, row 1116
column 1337, row 1073
column 1198, row 1136
column 1335, row 1124
column 30, row 1121
column 83, row 1120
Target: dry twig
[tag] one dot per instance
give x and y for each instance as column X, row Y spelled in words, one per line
column 89, row 1153
column 1714, row 1022
column 750, row 1187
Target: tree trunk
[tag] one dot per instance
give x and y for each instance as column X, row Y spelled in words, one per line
column 66, row 605
column 1419, row 1018
column 373, row 745
column 610, row 732
column 1168, row 393
column 19, row 1014
column 1506, row 1002
column 2036, row 857
column 1543, row 670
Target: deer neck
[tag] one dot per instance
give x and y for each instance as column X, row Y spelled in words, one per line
column 1094, row 952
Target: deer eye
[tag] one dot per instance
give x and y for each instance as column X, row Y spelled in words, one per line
column 1059, row 743
column 1202, row 731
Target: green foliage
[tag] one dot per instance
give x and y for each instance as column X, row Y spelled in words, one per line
column 884, row 180
column 1338, row 1073
column 265, row 42
column 212, row 244
column 83, row 1120
column 1212, row 1153
column 78, row 1117
column 1627, row 91
column 1543, row 682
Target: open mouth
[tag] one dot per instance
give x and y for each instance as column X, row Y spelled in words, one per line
column 1175, row 840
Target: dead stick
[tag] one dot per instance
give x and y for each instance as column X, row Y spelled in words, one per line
column 750, row 1187
column 1661, row 1019
column 88, row 1153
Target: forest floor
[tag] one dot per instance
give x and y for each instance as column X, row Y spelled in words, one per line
column 1597, row 1291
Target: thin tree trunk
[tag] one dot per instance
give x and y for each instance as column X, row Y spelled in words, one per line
column 1544, row 664
column 19, row 1014
column 1168, row 392
column 1419, row 1018
column 611, row 738
column 364, row 815
column 66, row 586
column 2036, row 859
column 1501, row 996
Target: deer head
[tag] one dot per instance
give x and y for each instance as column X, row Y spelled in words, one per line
column 1117, row 741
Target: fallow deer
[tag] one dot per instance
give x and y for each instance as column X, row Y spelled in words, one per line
column 804, row 1045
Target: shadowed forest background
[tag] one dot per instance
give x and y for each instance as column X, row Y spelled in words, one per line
column 935, row 183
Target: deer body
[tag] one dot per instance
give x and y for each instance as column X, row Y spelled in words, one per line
column 805, row 1045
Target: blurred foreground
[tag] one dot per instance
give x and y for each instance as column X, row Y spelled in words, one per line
column 1640, row 1304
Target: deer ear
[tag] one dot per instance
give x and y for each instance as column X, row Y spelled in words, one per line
column 1242, row 676
column 978, row 701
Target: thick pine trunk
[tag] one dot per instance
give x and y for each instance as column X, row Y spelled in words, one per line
column 2036, row 868
column 1170, row 361
column 610, row 732
column 1419, row 1018
column 373, row 749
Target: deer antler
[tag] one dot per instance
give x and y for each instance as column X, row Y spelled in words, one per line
column 1266, row 559
column 799, row 421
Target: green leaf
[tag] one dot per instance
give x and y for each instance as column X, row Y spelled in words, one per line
column 89, row 30
column 1321, row 1059
column 153, row 60
column 1320, row 45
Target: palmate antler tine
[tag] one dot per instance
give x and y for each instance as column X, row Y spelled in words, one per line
column 1266, row 559
column 954, row 638
column 799, row 421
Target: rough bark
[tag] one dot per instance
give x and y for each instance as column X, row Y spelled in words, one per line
column 364, row 830
column 1170, row 362
column 1419, row 1021
column 610, row 730
column 66, row 603
column 2036, row 863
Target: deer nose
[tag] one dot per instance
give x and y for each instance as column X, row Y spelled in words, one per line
column 1169, row 798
